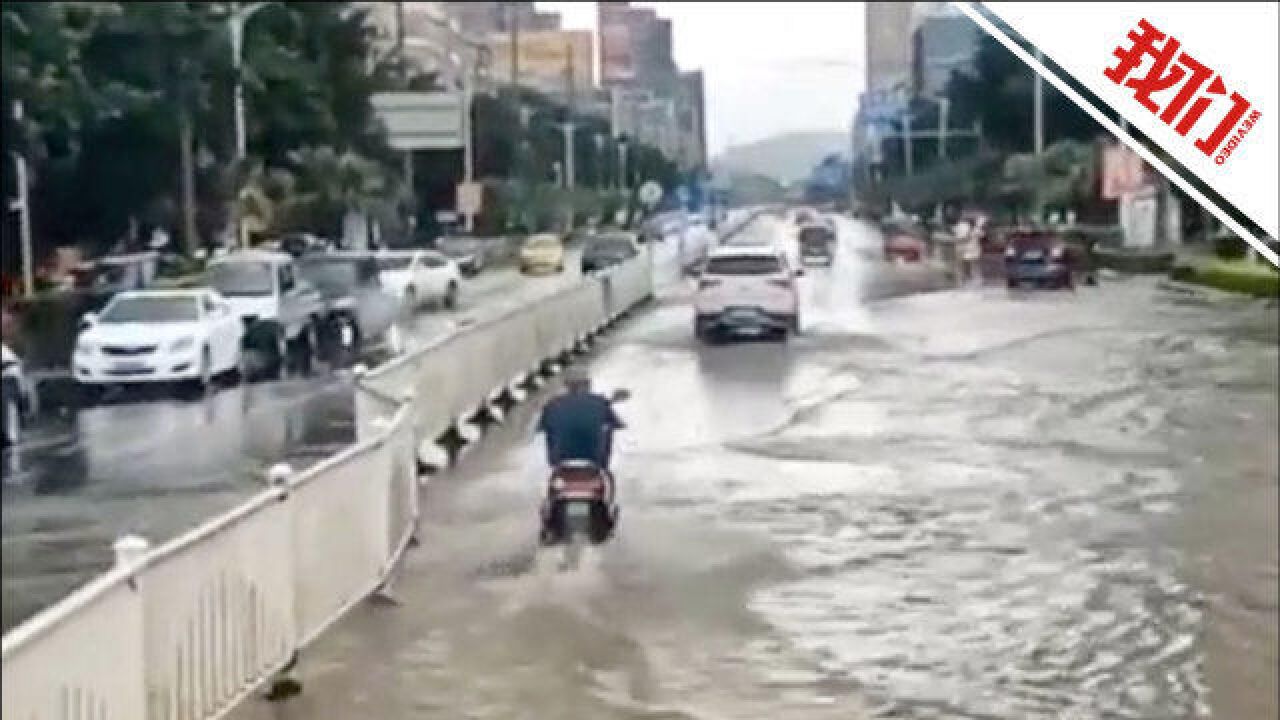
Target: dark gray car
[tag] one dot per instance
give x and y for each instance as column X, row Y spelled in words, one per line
column 362, row 311
column 608, row 249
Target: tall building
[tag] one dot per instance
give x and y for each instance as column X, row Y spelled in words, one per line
column 635, row 46
column 942, row 43
column 434, row 42
column 550, row 61
column 691, row 121
column 485, row 18
column 889, row 46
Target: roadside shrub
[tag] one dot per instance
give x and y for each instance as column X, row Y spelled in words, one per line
column 1229, row 247
column 1244, row 278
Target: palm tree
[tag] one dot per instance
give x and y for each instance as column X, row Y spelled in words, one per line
column 331, row 184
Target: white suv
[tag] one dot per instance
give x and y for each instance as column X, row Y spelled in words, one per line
column 747, row 290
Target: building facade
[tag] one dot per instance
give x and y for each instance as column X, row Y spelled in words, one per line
column 558, row 63
column 691, row 121
column 889, row 46
column 485, row 18
column 943, row 43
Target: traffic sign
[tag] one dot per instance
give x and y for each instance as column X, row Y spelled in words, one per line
column 470, row 198
column 650, row 193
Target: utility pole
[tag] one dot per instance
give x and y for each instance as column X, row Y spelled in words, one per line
column 411, row 208
column 1038, row 108
column 23, row 205
column 944, row 105
column 468, row 147
column 568, row 120
column 602, row 180
column 622, row 164
column 906, row 139
column 515, row 49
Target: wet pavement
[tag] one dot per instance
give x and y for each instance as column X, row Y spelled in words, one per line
column 150, row 464
column 964, row 504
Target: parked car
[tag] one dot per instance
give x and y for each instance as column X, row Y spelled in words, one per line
column 1042, row 259
column 608, row 249
column 817, row 243
column 299, row 244
column 282, row 313
column 748, row 290
column 467, row 252
column 361, row 311
column 17, row 398
column 119, row 272
column 543, row 252
column 419, row 277
column 186, row 337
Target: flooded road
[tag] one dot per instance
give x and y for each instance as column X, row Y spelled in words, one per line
column 149, row 464
column 966, row 504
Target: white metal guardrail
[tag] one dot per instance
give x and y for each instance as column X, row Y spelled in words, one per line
column 187, row 630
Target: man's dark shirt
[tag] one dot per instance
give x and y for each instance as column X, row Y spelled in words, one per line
column 577, row 425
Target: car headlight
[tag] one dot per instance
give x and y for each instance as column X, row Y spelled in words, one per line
column 1057, row 252
column 183, row 343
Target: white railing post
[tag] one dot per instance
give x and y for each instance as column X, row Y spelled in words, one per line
column 130, row 551
column 284, row 684
column 278, row 475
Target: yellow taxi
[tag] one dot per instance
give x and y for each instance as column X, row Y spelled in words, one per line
column 541, row 253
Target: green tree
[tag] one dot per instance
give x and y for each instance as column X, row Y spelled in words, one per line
column 1000, row 95
column 329, row 184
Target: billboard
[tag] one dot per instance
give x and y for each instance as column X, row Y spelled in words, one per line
column 421, row 121
column 617, row 43
column 1123, row 172
column 545, row 57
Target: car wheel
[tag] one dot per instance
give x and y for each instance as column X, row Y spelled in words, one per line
column 308, row 346
column 280, row 351
column 239, row 372
column 87, row 395
column 11, row 422
column 451, row 296
column 199, row 386
column 346, row 341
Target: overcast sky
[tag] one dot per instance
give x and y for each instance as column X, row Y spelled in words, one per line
column 769, row 67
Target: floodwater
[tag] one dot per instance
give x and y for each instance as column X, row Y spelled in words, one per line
column 149, row 464
column 966, row 504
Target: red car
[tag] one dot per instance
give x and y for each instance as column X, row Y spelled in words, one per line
column 900, row 245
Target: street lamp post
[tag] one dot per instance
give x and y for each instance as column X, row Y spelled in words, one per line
column 944, row 105
column 23, row 205
column 601, row 178
column 236, row 21
column 622, row 165
column 1038, row 107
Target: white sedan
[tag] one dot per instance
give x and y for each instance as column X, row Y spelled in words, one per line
column 419, row 277
column 159, row 336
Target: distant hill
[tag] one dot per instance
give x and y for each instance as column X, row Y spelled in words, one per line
column 787, row 158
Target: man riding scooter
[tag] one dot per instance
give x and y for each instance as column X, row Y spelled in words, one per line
column 579, row 426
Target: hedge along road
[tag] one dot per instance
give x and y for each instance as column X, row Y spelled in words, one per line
column 156, row 466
